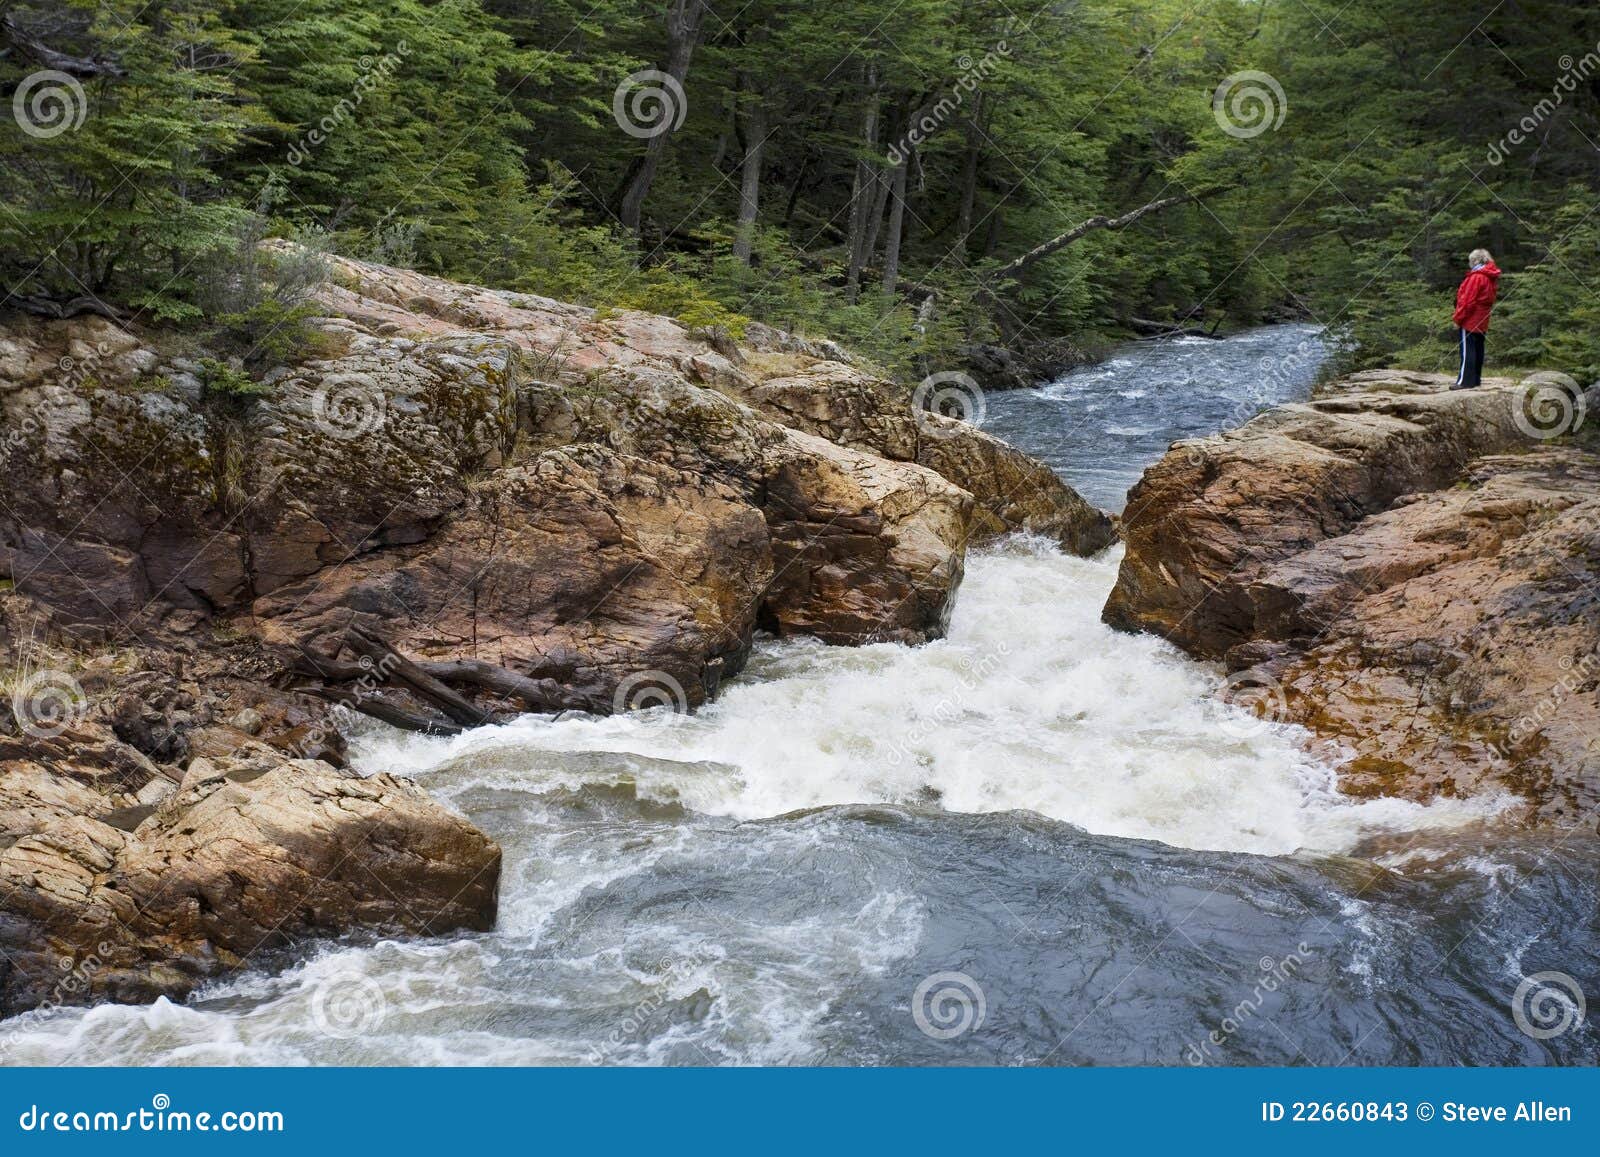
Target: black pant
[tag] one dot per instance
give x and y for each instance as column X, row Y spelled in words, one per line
column 1471, row 360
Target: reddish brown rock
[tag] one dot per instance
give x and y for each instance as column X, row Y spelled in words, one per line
column 134, row 895
column 582, row 566
column 1013, row 491
column 1428, row 602
column 1210, row 517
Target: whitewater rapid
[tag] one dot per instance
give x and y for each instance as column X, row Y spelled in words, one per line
column 1030, row 703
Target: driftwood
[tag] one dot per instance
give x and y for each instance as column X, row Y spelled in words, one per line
column 535, row 694
column 544, row 695
column 380, row 708
column 402, row 670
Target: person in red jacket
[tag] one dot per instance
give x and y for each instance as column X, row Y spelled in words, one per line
column 1474, row 300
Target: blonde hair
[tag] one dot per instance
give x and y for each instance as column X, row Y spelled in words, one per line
column 1479, row 257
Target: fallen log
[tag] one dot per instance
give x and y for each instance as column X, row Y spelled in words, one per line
column 542, row 695
column 1159, row 329
column 535, row 694
column 380, row 708
column 393, row 665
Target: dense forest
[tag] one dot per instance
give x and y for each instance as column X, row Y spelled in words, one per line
column 908, row 176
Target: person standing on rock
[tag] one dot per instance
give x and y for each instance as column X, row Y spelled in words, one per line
column 1474, row 300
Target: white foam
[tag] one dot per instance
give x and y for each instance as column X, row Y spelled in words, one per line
column 1031, row 703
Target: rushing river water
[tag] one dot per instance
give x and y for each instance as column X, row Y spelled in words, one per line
column 1036, row 841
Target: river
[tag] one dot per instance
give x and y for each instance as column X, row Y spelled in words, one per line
column 1034, row 842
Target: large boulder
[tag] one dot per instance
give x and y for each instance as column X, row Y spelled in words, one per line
column 1207, row 519
column 1014, row 492
column 121, row 885
column 1374, row 567
column 582, row 566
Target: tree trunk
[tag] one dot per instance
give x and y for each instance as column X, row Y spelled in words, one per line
column 755, row 136
column 897, row 220
column 863, row 191
column 683, row 33
column 969, row 178
column 880, row 199
column 1099, row 221
column 794, row 189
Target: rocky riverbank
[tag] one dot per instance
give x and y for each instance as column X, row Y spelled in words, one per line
column 1410, row 572
column 466, row 504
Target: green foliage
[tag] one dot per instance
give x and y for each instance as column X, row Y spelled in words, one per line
column 229, row 383
column 125, row 205
column 1393, row 163
column 477, row 139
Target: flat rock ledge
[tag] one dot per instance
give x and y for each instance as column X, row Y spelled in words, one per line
column 1402, row 569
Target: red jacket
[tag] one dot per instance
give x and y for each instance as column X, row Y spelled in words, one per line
column 1476, row 297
